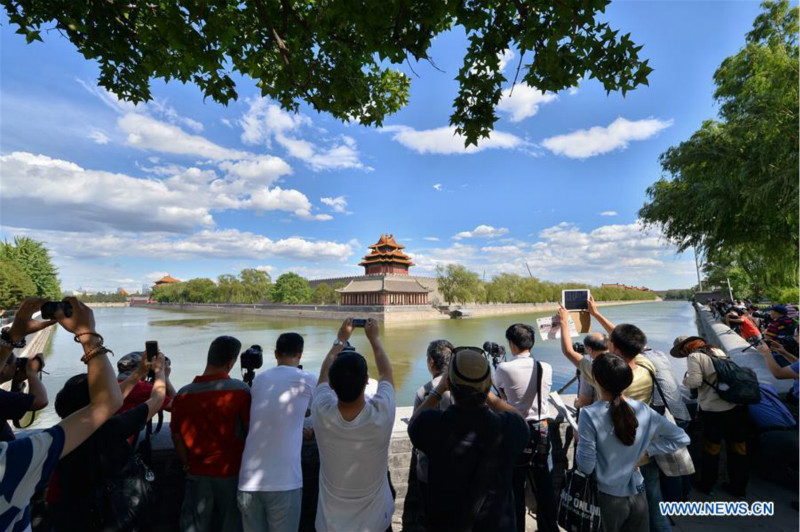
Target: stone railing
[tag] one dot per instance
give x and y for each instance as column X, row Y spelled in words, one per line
column 719, row 334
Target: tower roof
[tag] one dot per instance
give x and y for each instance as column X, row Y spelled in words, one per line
column 168, row 279
column 386, row 251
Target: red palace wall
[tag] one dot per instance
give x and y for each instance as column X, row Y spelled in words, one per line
column 378, row 269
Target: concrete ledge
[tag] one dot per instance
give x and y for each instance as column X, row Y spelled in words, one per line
column 736, row 347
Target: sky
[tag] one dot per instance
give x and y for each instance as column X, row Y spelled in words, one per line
column 124, row 194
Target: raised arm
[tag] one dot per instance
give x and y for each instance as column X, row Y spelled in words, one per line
column 159, row 392
column 35, row 385
column 433, row 399
column 566, row 338
column 104, row 394
column 136, row 375
column 606, row 324
column 777, row 371
column 342, row 336
column 498, row 405
column 382, row 361
column 23, row 325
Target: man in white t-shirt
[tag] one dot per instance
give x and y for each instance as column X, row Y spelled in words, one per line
column 271, row 478
column 353, row 435
column 525, row 384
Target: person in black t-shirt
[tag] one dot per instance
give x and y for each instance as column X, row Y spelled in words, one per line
column 14, row 405
column 471, row 448
column 72, row 491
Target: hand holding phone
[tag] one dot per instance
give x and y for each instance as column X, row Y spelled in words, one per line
column 359, row 322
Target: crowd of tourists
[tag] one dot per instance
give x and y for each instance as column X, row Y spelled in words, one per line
column 480, row 434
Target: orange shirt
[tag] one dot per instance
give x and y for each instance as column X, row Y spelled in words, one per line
column 211, row 416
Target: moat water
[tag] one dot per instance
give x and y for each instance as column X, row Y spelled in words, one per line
column 185, row 336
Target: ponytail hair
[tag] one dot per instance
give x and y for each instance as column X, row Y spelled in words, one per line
column 614, row 375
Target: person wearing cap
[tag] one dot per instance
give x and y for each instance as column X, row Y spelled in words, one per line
column 520, row 384
column 210, row 418
column 472, row 448
column 721, row 419
column 781, row 326
column 136, row 389
column 353, row 434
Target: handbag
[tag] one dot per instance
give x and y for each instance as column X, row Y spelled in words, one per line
column 578, row 507
column 678, row 463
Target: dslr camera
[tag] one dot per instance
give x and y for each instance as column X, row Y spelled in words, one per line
column 251, row 360
column 494, row 351
column 578, row 347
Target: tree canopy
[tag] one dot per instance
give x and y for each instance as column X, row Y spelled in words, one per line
column 731, row 190
column 33, row 258
column 15, row 285
column 291, row 288
column 338, row 56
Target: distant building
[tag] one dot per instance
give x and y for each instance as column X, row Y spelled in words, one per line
column 166, row 280
column 386, row 280
column 121, row 291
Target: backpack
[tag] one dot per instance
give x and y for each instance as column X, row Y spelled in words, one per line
column 123, row 503
column 735, row 384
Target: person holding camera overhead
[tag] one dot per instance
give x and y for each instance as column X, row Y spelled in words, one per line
column 271, row 479
column 353, row 435
column 210, row 418
column 14, row 405
column 525, row 384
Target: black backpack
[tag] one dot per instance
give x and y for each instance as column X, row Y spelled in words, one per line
column 735, row 384
column 124, row 502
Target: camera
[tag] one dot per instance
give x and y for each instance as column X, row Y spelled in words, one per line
column 494, row 350
column 50, row 308
column 22, row 364
column 359, row 322
column 578, row 347
column 253, row 358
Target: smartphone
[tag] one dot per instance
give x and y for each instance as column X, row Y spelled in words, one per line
column 151, row 348
column 359, row 322
column 50, row 308
column 575, row 299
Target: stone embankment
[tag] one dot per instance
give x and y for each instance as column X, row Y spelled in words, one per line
column 388, row 314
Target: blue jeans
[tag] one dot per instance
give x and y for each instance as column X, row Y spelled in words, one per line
column 270, row 511
column 652, row 489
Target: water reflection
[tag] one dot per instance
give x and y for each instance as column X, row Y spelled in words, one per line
column 185, row 336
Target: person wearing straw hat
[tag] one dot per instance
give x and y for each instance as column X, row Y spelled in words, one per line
column 471, row 448
column 721, row 419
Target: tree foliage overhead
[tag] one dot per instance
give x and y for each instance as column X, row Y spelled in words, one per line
column 337, row 55
column 33, row 258
column 731, row 190
column 15, row 285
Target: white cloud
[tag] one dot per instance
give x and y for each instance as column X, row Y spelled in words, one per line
column 629, row 253
column 522, row 101
column 147, row 133
column 258, row 170
column 179, row 202
column 431, row 238
column 609, row 213
column 599, row 140
column 99, row 136
column 226, row 122
column 265, row 122
column 338, row 204
column 205, row 244
column 482, row 231
column 437, row 187
column 265, row 268
column 505, row 58
column 444, row 140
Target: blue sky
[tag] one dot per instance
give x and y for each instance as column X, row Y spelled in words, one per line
column 123, row 194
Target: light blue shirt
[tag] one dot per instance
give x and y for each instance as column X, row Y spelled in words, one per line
column 600, row 449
